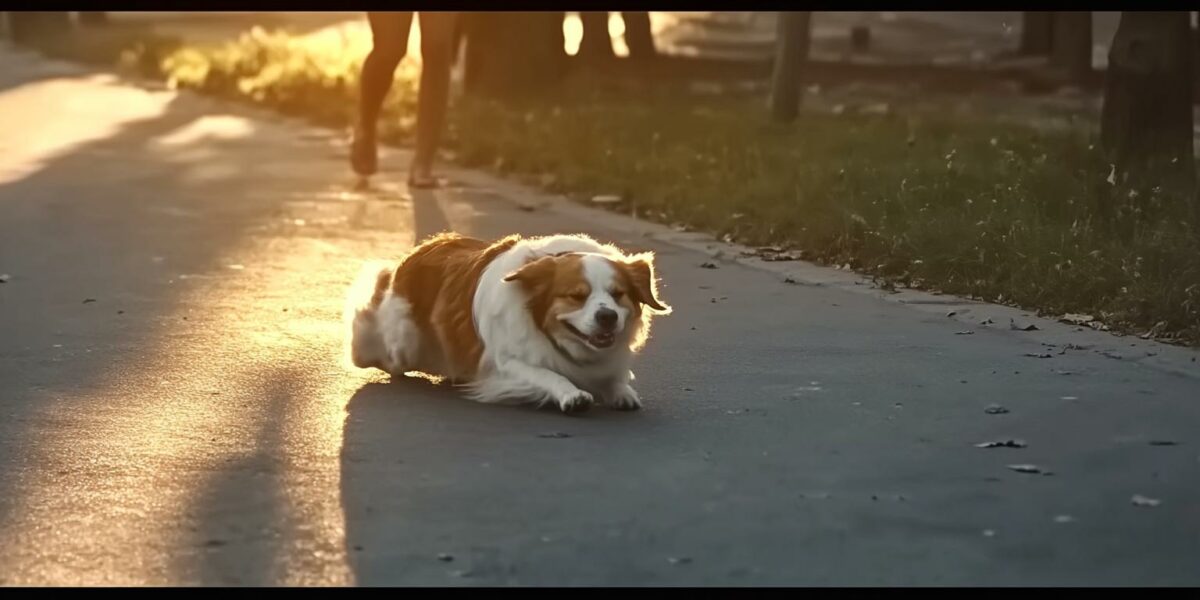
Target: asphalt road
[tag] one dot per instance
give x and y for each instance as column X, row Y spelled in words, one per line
column 174, row 408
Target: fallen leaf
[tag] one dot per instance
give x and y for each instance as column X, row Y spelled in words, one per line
column 879, row 108
column 88, row 300
column 558, row 435
column 964, row 332
column 606, row 199
column 781, row 256
column 1140, row 500
column 951, row 313
column 995, row 409
column 1002, row 444
column 708, row 265
column 1012, row 324
column 1031, row 469
column 445, row 557
column 4, row 278
column 1076, row 319
column 1038, row 355
column 1163, row 443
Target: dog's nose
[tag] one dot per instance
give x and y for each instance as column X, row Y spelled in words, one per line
column 606, row 318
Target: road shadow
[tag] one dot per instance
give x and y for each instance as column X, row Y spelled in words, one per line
column 110, row 243
column 428, row 216
column 242, row 528
column 431, row 481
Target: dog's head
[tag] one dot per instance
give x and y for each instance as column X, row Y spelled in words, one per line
column 589, row 303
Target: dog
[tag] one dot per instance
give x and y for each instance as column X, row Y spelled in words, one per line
column 548, row 320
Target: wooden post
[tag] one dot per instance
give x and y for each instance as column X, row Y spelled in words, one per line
column 791, row 52
column 596, row 43
column 638, row 36
column 1146, row 123
column 1036, row 32
column 1071, row 44
column 513, row 53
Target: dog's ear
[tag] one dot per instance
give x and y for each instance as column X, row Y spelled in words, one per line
column 640, row 268
column 535, row 275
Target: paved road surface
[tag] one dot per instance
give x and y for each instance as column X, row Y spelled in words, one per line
column 173, row 407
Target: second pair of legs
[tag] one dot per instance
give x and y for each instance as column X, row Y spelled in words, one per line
column 390, row 31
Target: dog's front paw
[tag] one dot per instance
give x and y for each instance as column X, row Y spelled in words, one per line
column 577, row 401
column 625, row 398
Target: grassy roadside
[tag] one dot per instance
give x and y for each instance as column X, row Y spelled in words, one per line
column 973, row 207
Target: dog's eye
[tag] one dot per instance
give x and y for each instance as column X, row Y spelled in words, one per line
column 579, row 297
column 617, row 295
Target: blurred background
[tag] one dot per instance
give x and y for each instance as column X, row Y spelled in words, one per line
column 896, row 37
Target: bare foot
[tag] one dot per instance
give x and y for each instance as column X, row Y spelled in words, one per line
column 364, row 157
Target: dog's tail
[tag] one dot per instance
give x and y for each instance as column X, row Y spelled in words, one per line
column 364, row 342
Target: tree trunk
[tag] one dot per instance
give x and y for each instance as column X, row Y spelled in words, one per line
column 1036, row 31
column 1071, row 44
column 791, row 52
column 1146, row 123
column 638, row 36
column 596, row 43
column 28, row 27
column 513, row 53
column 93, row 19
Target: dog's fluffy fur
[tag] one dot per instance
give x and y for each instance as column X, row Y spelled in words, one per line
column 542, row 320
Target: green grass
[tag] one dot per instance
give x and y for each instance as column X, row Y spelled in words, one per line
column 972, row 207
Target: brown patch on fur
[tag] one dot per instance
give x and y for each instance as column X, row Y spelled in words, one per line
column 439, row 278
column 639, row 271
column 636, row 277
column 556, row 285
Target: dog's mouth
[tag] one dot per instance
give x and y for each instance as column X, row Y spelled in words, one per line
column 599, row 341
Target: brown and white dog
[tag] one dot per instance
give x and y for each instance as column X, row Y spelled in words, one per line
column 552, row 319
